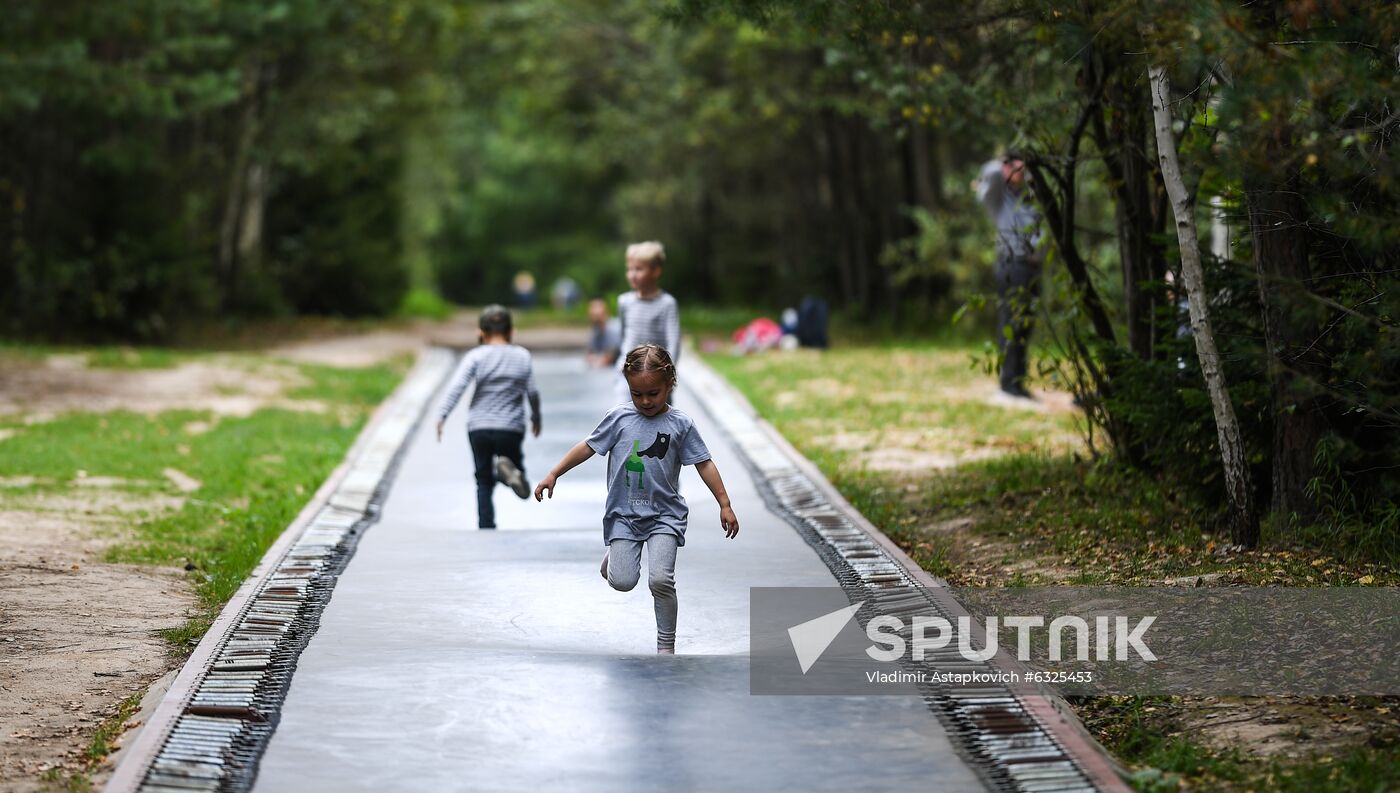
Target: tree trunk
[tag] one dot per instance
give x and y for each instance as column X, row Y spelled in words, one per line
column 234, row 197
column 851, row 195
column 251, row 220
column 1277, row 224
column 1059, row 209
column 705, row 245
column 1278, row 218
column 1244, row 521
column 927, row 176
column 1123, row 143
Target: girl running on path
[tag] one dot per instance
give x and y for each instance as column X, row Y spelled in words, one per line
column 644, row 506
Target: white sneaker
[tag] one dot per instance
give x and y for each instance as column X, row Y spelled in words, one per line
column 511, row 476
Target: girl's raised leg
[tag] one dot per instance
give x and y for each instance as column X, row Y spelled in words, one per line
column 624, row 564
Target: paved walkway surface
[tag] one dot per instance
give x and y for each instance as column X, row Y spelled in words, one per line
column 456, row 659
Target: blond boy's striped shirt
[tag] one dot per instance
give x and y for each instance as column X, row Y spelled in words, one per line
column 649, row 321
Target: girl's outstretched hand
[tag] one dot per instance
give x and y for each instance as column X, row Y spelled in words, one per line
column 546, row 483
column 581, row 451
column 728, row 522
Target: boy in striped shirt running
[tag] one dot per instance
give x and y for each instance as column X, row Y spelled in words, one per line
column 496, row 419
column 649, row 314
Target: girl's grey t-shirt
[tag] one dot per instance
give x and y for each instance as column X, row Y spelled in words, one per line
column 645, row 455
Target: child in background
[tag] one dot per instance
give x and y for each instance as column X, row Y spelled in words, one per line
column 605, row 335
column 649, row 315
column 647, row 442
column 496, row 418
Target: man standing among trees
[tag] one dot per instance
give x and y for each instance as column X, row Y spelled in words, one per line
column 1002, row 189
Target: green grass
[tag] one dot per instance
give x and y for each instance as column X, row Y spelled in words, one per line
column 901, row 390
column 720, row 321
column 120, row 357
column 850, row 406
column 1022, row 474
column 546, row 316
column 715, row 324
column 256, row 474
column 55, row 779
column 1147, row 732
column 1367, row 769
column 111, row 729
column 696, row 319
column 1034, row 495
column 360, row 389
column 101, row 744
column 245, row 334
column 425, row 304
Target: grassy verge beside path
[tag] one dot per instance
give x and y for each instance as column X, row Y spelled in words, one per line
column 254, row 472
column 168, row 460
column 984, row 491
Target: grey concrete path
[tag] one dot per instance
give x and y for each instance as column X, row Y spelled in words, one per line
column 456, row 659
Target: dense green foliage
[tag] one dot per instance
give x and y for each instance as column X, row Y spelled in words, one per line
column 1284, row 119
column 160, row 162
column 732, row 144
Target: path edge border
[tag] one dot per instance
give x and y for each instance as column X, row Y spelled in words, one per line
column 1050, row 710
column 134, row 760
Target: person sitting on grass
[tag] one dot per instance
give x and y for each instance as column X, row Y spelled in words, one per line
column 504, row 380
column 647, row 442
column 605, row 335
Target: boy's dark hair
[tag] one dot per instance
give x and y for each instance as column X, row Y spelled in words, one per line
column 495, row 320
column 649, row 358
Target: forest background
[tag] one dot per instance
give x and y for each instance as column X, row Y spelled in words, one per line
column 162, row 163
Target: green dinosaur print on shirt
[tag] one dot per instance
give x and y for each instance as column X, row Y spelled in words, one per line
column 634, row 464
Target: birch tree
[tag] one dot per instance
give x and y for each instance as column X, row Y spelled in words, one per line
column 1244, row 521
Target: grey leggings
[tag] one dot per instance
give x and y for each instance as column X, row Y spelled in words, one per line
column 625, row 568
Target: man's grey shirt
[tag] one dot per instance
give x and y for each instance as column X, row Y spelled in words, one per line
column 504, row 380
column 645, row 455
column 1016, row 218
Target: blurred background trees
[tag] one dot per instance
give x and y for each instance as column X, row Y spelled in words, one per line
column 161, row 161
column 167, row 161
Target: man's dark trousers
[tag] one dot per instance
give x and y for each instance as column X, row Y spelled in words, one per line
column 1018, row 287
column 486, row 444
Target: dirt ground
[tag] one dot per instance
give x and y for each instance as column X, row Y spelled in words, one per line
column 64, row 383
column 79, row 635
column 1261, row 727
column 368, row 349
column 919, row 446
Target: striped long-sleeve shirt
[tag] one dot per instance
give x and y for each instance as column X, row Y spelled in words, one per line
column 504, row 380
column 655, row 320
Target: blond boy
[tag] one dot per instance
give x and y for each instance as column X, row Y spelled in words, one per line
column 648, row 313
